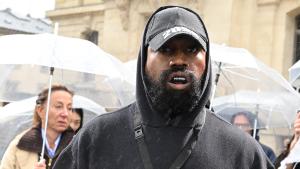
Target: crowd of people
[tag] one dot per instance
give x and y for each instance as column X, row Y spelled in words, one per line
column 169, row 124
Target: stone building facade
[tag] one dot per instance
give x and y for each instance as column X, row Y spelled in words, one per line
column 11, row 23
column 268, row 28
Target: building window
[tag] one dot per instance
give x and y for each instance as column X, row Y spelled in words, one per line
column 297, row 40
column 4, row 103
column 91, row 35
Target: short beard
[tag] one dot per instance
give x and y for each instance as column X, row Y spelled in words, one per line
column 171, row 103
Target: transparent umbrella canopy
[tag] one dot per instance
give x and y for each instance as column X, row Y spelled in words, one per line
column 242, row 80
column 240, row 70
column 78, row 64
column 273, row 110
column 31, row 63
column 131, row 66
column 246, row 83
column 17, row 116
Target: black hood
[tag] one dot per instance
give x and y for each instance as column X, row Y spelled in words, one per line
column 149, row 115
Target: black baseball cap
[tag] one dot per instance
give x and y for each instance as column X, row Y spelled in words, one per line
column 174, row 21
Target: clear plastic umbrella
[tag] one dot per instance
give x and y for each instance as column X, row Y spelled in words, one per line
column 78, row 64
column 246, row 83
column 131, row 66
column 225, row 57
column 17, row 116
column 274, row 110
column 244, row 79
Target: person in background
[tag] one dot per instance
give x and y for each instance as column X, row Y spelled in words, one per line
column 25, row 149
column 76, row 119
column 169, row 125
column 245, row 121
column 290, row 146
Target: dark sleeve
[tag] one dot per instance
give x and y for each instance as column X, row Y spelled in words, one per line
column 262, row 164
column 271, row 156
column 65, row 160
column 269, row 152
column 261, row 161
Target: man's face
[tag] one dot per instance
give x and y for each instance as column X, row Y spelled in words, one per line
column 60, row 110
column 174, row 74
column 243, row 123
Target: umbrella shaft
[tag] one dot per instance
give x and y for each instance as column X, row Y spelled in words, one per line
column 47, row 112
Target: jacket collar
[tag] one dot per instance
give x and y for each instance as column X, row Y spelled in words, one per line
column 32, row 140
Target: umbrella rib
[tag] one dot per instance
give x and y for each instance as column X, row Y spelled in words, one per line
column 242, row 75
column 228, row 80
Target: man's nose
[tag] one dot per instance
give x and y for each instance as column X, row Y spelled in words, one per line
column 178, row 59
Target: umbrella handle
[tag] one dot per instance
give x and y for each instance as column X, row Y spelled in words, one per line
column 218, row 73
column 47, row 112
column 213, row 91
column 215, row 85
column 254, row 128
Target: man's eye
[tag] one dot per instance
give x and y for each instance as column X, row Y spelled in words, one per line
column 192, row 49
column 165, row 49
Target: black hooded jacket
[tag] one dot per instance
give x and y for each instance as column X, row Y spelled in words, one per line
column 108, row 141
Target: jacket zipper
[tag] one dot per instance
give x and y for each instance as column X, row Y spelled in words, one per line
column 49, row 162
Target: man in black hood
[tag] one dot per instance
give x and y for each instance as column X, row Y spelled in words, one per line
column 168, row 126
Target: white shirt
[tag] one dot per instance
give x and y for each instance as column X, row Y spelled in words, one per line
column 51, row 152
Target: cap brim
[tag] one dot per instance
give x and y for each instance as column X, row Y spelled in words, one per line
column 159, row 40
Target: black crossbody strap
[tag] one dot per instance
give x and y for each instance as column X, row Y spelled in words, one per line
column 139, row 136
column 186, row 151
column 181, row 158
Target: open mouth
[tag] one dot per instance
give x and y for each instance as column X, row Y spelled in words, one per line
column 178, row 80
